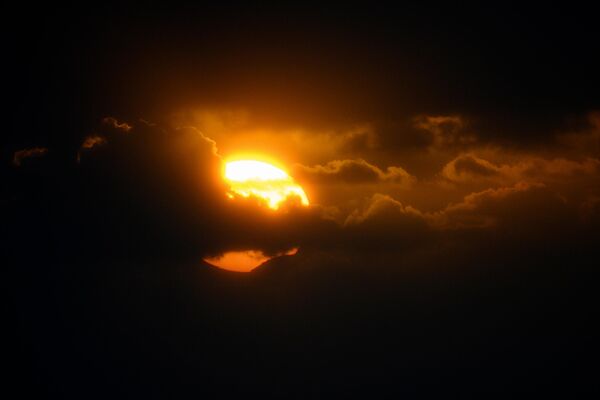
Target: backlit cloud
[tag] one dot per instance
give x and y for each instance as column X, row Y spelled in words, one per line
column 112, row 122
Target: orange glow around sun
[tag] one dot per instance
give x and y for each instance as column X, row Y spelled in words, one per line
column 257, row 178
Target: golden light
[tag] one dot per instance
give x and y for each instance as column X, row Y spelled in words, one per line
column 265, row 181
column 244, row 261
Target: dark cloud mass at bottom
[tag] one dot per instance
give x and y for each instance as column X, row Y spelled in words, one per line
column 451, row 243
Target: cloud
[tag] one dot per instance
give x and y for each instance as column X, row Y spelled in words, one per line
column 155, row 191
column 89, row 143
column 383, row 224
column 519, row 208
column 21, row 155
column 446, row 130
column 239, row 131
column 191, row 131
column 381, row 207
column 112, row 122
column 92, row 141
column 359, row 139
column 468, row 167
column 522, row 209
column 353, row 172
column 158, row 193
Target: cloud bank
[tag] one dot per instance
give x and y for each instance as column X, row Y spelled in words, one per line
column 144, row 190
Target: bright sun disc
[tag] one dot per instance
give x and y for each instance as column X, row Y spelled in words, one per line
column 256, row 178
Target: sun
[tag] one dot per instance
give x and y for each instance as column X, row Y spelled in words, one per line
column 260, row 179
column 244, row 261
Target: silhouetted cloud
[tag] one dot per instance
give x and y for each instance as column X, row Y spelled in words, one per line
column 353, row 172
column 383, row 208
column 491, row 208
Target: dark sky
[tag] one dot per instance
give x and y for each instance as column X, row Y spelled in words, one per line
column 452, row 160
column 306, row 64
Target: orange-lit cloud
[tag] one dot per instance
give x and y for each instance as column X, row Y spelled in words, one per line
column 112, row 122
column 239, row 131
column 469, row 167
column 92, row 141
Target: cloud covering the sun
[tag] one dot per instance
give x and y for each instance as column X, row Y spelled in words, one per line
column 148, row 190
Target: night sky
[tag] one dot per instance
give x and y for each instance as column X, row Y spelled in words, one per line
column 452, row 161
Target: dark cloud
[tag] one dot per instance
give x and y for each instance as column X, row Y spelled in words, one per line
column 445, row 130
column 352, row 172
column 518, row 208
column 382, row 208
column 358, row 140
column 156, row 193
column 383, row 225
column 525, row 211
